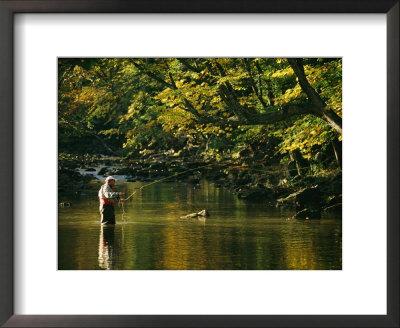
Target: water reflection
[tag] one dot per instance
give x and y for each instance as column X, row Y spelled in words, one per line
column 107, row 256
column 152, row 236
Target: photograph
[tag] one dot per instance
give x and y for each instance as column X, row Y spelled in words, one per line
column 199, row 163
column 192, row 155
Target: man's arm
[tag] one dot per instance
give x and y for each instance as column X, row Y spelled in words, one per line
column 109, row 194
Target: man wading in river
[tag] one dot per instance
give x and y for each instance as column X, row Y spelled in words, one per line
column 108, row 198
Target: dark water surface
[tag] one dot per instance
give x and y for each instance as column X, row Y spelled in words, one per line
column 151, row 235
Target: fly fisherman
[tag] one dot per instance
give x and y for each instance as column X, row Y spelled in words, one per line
column 108, row 198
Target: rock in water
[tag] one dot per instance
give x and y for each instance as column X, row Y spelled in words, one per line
column 204, row 213
column 65, row 204
column 189, row 216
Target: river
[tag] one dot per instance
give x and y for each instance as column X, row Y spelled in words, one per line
column 237, row 235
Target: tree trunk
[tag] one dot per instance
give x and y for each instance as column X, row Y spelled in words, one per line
column 257, row 91
column 337, row 149
column 334, row 120
column 301, row 162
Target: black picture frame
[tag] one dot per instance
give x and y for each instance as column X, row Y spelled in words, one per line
column 10, row 7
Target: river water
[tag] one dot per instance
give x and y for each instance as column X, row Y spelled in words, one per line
column 237, row 235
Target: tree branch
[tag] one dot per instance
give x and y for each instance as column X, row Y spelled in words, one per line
column 172, row 85
column 334, row 120
column 280, row 115
column 154, row 76
column 185, row 62
column 298, row 68
column 230, row 97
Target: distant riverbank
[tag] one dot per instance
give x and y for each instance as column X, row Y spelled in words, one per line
column 309, row 195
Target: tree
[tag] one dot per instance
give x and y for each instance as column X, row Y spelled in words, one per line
column 203, row 104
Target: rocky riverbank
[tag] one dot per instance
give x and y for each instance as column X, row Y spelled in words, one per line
column 310, row 196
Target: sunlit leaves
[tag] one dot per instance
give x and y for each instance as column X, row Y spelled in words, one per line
column 142, row 103
column 305, row 134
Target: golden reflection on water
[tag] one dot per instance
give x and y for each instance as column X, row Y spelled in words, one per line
column 237, row 235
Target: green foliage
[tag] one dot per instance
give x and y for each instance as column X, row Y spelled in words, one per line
column 306, row 134
column 198, row 105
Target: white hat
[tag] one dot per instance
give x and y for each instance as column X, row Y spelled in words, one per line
column 110, row 178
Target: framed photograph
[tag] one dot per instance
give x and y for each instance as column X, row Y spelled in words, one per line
column 186, row 164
